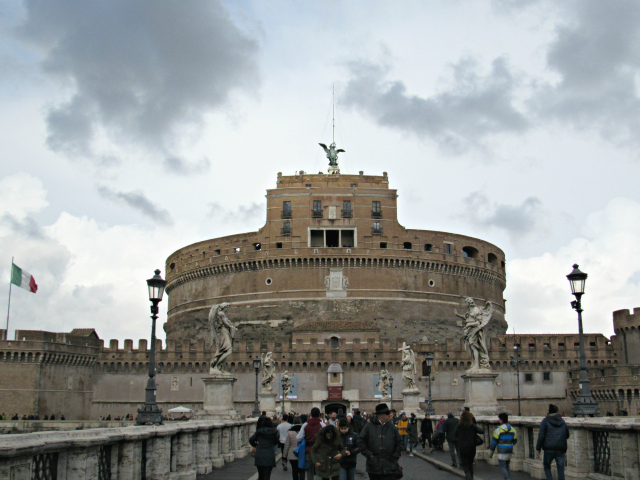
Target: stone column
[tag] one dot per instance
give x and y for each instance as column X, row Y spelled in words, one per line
column 203, row 461
column 239, row 449
column 82, row 463
column 127, row 459
column 159, row 456
column 226, row 445
column 268, row 403
column 215, row 451
column 184, row 460
column 577, row 459
column 517, row 459
column 411, row 402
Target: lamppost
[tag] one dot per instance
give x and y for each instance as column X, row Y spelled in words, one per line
column 282, row 382
column 150, row 413
column 256, row 365
column 390, row 392
column 429, row 361
column 585, row 405
column 516, row 362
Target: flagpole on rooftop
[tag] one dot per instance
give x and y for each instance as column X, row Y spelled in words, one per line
column 6, row 335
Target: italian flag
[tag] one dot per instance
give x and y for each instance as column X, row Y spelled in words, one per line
column 23, row 279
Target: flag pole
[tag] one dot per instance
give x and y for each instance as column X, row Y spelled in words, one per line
column 6, row 335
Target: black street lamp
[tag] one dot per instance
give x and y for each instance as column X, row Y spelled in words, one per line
column 429, row 362
column 282, row 382
column 516, row 361
column 150, row 413
column 390, row 392
column 256, row 365
column 585, row 405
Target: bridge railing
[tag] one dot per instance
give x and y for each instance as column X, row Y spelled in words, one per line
column 605, row 447
column 176, row 450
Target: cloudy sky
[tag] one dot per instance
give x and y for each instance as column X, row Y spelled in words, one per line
column 131, row 129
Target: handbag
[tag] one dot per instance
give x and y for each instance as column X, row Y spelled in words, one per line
column 479, row 440
column 300, row 453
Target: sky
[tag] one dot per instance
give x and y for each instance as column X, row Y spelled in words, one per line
column 132, row 129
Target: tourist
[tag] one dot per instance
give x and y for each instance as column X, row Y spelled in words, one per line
column 553, row 440
column 412, row 430
column 449, row 429
column 283, row 428
column 467, row 409
column 327, row 452
column 15, row 417
column 426, row 430
column 309, row 432
column 465, row 441
column 349, row 461
column 289, row 446
column 264, row 440
column 504, row 438
column 333, row 418
column 358, row 421
column 52, row 417
column 381, row 445
column 46, row 417
column 62, row 417
column 403, row 423
column 36, row 417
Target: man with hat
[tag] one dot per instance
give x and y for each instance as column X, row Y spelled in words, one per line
column 381, row 445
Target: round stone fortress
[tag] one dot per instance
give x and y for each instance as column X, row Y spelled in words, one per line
column 332, row 250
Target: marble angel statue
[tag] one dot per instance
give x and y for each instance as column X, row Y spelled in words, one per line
column 476, row 319
column 222, row 333
column 268, row 372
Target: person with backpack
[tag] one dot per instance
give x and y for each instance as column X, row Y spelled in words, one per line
column 553, row 440
column 327, row 452
column 349, row 461
column 504, row 438
column 309, row 433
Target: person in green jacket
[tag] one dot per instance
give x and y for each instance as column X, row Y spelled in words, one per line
column 327, row 452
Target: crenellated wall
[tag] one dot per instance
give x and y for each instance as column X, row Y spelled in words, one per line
column 627, row 328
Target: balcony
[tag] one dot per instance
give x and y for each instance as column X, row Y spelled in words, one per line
column 376, row 214
column 316, row 213
column 285, row 214
column 347, row 214
column 285, row 231
column 376, row 231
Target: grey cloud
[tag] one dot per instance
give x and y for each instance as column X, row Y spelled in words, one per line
column 139, row 202
column 597, row 55
column 243, row 214
column 181, row 166
column 518, row 220
column 139, row 70
column 474, row 108
column 27, row 227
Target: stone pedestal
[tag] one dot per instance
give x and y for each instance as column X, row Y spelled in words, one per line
column 480, row 392
column 268, row 403
column 411, row 401
column 218, row 398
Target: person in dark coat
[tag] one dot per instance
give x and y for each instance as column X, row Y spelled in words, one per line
column 327, row 452
column 426, row 430
column 449, row 429
column 265, row 439
column 412, row 430
column 350, row 443
column 381, row 445
column 553, row 440
column 465, row 436
column 358, row 422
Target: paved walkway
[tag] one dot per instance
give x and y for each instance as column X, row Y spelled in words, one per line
column 434, row 466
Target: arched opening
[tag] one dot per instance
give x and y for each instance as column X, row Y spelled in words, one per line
column 492, row 258
column 335, row 342
column 470, row 252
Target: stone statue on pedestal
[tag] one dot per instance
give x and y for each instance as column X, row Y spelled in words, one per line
column 222, row 333
column 268, row 372
column 286, row 384
column 383, row 383
column 476, row 319
column 408, row 368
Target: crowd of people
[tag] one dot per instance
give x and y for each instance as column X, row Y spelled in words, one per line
column 32, row 417
column 326, row 446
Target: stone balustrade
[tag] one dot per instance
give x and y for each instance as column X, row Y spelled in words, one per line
column 177, row 450
column 599, row 448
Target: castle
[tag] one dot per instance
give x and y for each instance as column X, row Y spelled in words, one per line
column 332, row 285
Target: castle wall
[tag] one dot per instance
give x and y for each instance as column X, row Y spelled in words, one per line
column 627, row 328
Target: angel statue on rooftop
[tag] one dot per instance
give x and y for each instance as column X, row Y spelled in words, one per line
column 476, row 319
column 222, row 333
column 332, row 153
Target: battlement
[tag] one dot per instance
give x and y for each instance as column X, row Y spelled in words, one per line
column 625, row 319
column 322, row 180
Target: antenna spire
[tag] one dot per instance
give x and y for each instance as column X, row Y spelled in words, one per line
column 333, row 108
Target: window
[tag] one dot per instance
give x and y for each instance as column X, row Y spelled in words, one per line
column 278, row 244
column 317, row 238
column 561, row 344
column 286, row 209
column 528, row 377
column 257, row 246
column 492, row 258
column 335, row 343
column 532, row 345
column 592, row 344
column 332, row 238
column 383, row 244
column 353, row 185
column 376, row 210
column 286, row 228
column 347, row 238
column 447, row 248
column 317, row 209
column 308, row 185
column 576, row 344
column 172, row 266
column 470, row 252
column 377, row 229
column 602, row 372
column 407, row 245
column 346, row 209
column 236, row 250
column 428, row 247
column 546, row 345
column 546, row 376
column 217, row 250
column 344, row 237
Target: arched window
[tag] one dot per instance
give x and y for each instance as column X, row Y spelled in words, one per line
column 470, row 252
column 335, row 342
column 492, row 258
